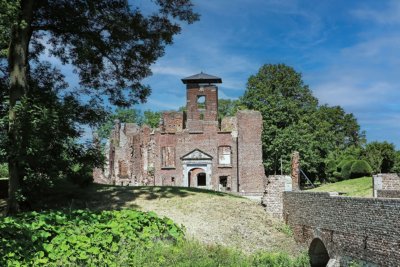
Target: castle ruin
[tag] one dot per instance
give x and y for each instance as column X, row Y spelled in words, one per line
column 189, row 149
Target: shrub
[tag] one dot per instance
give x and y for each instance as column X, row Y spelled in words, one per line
column 343, row 162
column 3, row 170
column 346, row 170
column 360, row 168
column 80, row 238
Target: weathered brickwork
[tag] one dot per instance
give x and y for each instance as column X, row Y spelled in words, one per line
column 388, row 193
column 273, row 195
column 295, row 168
column 389, row 182
column 365, row 229
column 189, row 149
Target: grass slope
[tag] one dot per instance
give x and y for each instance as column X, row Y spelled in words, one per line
column 360, row 187
column 213, row 218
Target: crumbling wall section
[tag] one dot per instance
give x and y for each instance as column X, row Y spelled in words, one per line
column 251, row 169
column 273, row 195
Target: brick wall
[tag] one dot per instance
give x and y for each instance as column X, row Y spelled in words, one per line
column 367, row 229
column 273, row 195
column 388, row 193
column 251, row 169
column 385, row 181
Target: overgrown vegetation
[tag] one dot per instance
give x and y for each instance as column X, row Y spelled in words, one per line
column 80, row 237
column 124, row 41
column 115, row 238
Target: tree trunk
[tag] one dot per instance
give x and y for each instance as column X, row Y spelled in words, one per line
column 18, row 67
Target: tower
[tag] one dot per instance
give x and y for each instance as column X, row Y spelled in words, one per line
column 202, row 101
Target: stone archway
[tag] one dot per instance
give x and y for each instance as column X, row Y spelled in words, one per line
column 193, row 177
column 197, row 160
column 318, row 253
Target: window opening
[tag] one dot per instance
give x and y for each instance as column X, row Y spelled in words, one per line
column 201, row 102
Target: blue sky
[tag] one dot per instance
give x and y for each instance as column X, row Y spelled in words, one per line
column 348, row 53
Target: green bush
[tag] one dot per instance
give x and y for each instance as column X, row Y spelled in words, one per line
column 346, row 169
column 360, row 168
column 81, row 237
column 343, row 162
column 3, row 170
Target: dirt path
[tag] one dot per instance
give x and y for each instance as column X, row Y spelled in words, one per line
column 215, row 218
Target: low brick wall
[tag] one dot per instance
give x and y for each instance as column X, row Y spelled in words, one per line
column 3, row 188
column 366, row 229
column 388, row 193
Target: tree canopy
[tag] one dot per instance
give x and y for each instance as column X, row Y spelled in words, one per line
column 109, row 44
column 293, row 121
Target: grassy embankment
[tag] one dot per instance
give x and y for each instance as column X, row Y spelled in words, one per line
column 221, row 229
column 359, row 187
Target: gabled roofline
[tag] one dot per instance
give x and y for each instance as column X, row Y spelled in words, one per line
column 208, row 155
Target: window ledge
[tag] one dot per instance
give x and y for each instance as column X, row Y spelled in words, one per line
column 225, row 166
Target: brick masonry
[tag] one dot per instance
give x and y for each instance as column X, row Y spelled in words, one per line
column 365, row 229
column 273, row 195
column 229, row 154
column 386, row 185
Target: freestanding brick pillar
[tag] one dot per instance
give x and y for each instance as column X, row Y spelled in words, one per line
column 295, row 171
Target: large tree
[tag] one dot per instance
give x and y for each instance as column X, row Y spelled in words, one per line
column 381, row 156
column 110, row 44
column 292, row 120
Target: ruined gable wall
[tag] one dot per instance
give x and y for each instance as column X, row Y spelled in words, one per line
column 251, row 169
column 184, row 143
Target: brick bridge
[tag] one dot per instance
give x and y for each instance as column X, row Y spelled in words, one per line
column 344, row 230
column 338, row 230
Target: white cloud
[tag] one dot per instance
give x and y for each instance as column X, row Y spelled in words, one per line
column 388, row 15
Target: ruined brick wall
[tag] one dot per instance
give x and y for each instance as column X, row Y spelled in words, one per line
column 385, row 181
column 295, row 171
column 251, row 169
column 186, row 142
column 273, row 195
column 172, row 121
column 366, row 229
column 388, row 193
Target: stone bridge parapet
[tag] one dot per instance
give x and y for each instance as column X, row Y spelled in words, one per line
column 346, row 229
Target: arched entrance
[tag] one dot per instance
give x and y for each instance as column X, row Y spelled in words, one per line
column 319, row 256
column 197, row 177
column 197, row 169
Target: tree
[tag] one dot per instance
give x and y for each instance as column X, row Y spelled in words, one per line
column 293, row 121
column 278, row 92
column 151, row 118
column 110, row 44
column 124, row 115
column 381, row 156
column 396, row 167
column 228, row 107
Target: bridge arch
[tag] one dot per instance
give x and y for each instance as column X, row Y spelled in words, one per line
column 319, row 256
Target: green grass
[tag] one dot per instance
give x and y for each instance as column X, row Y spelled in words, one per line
column 359, row 187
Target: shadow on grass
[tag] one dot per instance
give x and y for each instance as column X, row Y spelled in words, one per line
column 101, row 197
